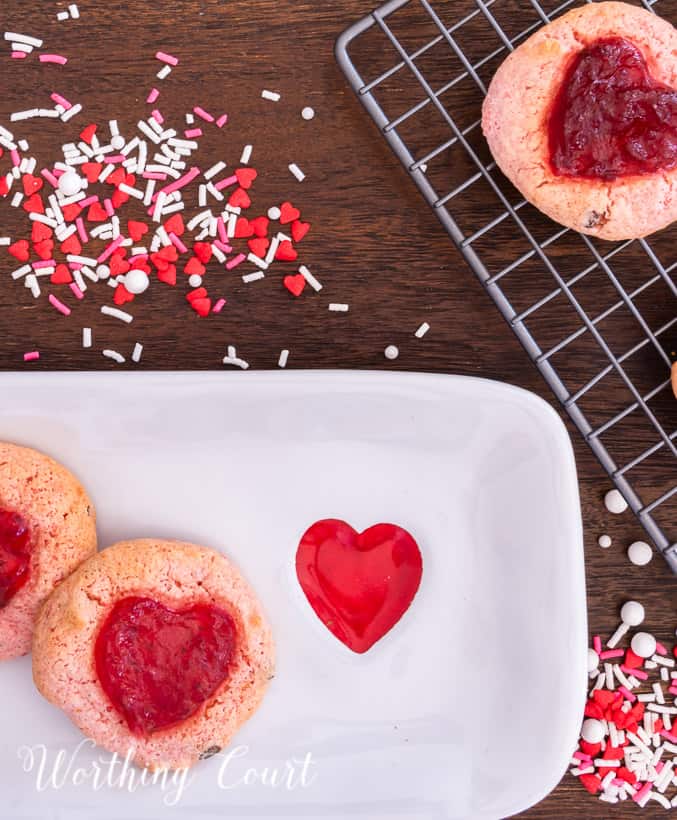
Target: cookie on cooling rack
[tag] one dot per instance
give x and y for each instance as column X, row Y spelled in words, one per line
column 582, row 118
column 157, row 647
column 47, row 528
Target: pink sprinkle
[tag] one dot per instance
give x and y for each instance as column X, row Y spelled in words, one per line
column 193, row 132
column 154, row 94
column 33, row 356
column 115, row 158
column 235, row 261
column 178, row 243
column 204, row 115
column 638, row 795
column 76, row 291
column 82, row 231
column 166, row 58
column 179, row 183
column 582, row 756
column 18, row 55
column 222, row 246
column 89, row 201
column 612, row 653
column 222, row 120
column 157, row 116
column 673, row 690
column 140, row 257
column 636, row 672
column 618, row 781
column 225, row 183
column 49, row 176
column 58, row 172
column 53, row 58
column 59, row 305
column 627, row 694
column 669, row 736
column 16, row 158
column 46, row 263
column 223, row 234
column 109, row 250
column 660, row 649
column 219, row 306
column 108, row 205
column 597, row 644
column 59, row 100
column 659, row 766
column 75, row 265
column 153, row 175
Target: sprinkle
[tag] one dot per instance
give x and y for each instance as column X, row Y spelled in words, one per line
column 164, row 72
column 193, row 132
column 391, row 353
column 13, row 37
column 233, row 359
column 117, row 314
column 222, row 120
column 308, row 113
column 181, row 182
column 57, row 98
column 219, row 306
column 252, row 277
column 59, row 305
column 297, row 172
column 74, row 11
column 338, row 307
column 604, row 541
column 423, row 329
column 166, row 58
column 86, row 337
column 246, row 154
column 214, row 170
column 62, row 15
column 114, row 355
column 136, row 354
column 237, row 260
column 18, row 55
column 273, row 96
column 204, row 115
column 33, row 356
column 615, row 503
column 152, row 95
column 310, row 279
column 53, row 58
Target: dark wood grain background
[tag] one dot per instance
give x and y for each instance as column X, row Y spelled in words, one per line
column 373, row 244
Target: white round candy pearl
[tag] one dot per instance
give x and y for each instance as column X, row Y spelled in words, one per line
column 69, row 183
column 195, row 280
column 643, row 644
column 136, row 281
column 615, row 502
column 592, row 731
column 604, row 541
column 391, row 352
column 118, row 142
column 632, row 613
column 308, row 113
column 593, row 660
column 274, row 213
column 103, row 271
column 640, row 553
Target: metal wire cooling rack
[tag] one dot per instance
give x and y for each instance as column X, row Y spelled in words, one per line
column 599, row 320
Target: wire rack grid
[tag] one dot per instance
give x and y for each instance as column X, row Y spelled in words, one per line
column 610, row 360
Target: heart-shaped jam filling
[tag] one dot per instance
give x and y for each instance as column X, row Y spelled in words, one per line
column 15, row 554
column 359, row 584
column 159, row 665
column 610, row 117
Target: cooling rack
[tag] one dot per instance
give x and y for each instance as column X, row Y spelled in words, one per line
column 598, row 319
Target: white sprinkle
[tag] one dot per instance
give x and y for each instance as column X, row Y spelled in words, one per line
column 74, row 11
column 274, row 213
column 5, row 240
column 138, row 350
column 233, row 359
column 22, row 271
column 310, row 279
column 246, row 154
column 195, row 280
column 62, row 15
column 214, row 170
column 423, row 329
column 659, row 798
column 604, row 541
column 273, row 96
column 284, row 357
column 640, row 553
column 391, row 352
column 86, row 336
column 253, row 277
column 117, row 314
column 663, row 710
column 337, row 307
column 114, row 355
column 297, row 172
column 13, row 37
column 127, row 189
column 16, row 199
column 308, row 113
column 615, row 503
column 659, row 659
column 164, row 72
column 614, row 640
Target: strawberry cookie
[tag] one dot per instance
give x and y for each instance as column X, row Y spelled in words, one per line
column 47, row 528
column 582, row 118
column 157, row 647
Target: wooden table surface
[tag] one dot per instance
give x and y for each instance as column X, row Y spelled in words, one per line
column 373, row 243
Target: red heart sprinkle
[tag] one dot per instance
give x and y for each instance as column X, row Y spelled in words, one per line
column 239, row 199
column 259, row 247
column 118, row 266
column 243, row 228
column 20, row 250
column 260, row 225
column 71, row 212
column 175, row 225
column 31, row 184
column 198, row 293
column 295, row 284
column 40, row 231
column 168, row 275
column 119, row 198
column 87, row 134
column 97, row 213
column 194, row 266
column 299, row 230
column 288, row 213
column 169, row 252
column 44, row 249
column 92, row 170
column 359, row 584
column 122, row 295
column 71, row 245
column 245, row 177
column 286, row 252
column 203, row 251
column 61, row 276
column 136, row 229
column 202, row 306
column 117, row 176
column 34, row 204
column 4, row 186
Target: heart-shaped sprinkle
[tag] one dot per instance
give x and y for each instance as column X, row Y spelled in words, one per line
column 122, row 295
column 295, row 284
column 203, row 251
column 119, row 198
column 20, row 250
column 87, row 134
column 71, row 212
column 175, row 225
column 158, row 665
column 358, row 584
column 117, row 176
column 299, row 230
column 34, row 204
column 168, row 275
column 259, row 246
column 31, row 184
column 15, row 554
column 92, row 171
column 198, row 293
column 44, row 249
column 201, row 306
column 40, row 231
column 239, row 199
column 61, row 276
column 136, row 230
column 243, row 228
column 4, row 186
column 285, row 252
column 118, row 265
column 71, row 245
column 194, row 267
column 288, row 213
column 245, row 177
column 260, row 226
column 97, row 213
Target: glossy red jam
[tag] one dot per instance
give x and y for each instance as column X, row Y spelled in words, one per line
column 158, row 665
column 359, row 584
column 15, row 554
column 611, row 118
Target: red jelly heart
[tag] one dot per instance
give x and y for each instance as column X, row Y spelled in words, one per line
column 201, row 306
column 359, row 584
column 194, row 266
column 97, row 213
column 15, row 554
column 260, row 226
column 87, row 134
column 40, row 231
column 20, row 250
column 286, row 252
column 136, row 229
column 31, row 184
column 44, row 249
column 295, row 284
column 168, row 275
column 288, row 213
column 259, row 246
column 61, row 276
column 245, row 177
column 117, row 176
column 240, row 199
column 118, row 266
column 92, row 170
column 175, row 225
column 243, row 228
column 34, row 204
column 157, row 665
column 71, row 212
column 72, row 245
column 4, row 186
column 122, row 296
column 610, row 117
column 119, row 198
column 203, row 251
column 299, row 230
